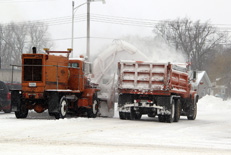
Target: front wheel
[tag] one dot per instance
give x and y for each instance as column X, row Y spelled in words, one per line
column 62, row 108
column 92, row 113
column 193, row 112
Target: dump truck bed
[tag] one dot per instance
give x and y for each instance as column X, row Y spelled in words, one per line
column 138, row 77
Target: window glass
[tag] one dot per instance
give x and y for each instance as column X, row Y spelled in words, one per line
column 75, row 65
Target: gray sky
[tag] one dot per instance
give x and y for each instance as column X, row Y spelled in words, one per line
column 217, row 11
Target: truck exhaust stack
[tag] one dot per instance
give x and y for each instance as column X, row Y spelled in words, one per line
column 34, row 50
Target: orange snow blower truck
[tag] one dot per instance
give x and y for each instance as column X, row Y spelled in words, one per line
column 55, row 83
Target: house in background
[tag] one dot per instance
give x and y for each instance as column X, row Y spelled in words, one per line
column 201, row 84
column 222, row 87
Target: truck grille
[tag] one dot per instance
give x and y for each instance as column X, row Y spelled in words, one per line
column 32, row 70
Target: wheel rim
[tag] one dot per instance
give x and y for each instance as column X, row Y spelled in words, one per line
column 95, row 108
column 173, row 110
column 195, row 111
column 63, row 107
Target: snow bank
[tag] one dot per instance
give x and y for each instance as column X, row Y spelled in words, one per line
column 212, row 102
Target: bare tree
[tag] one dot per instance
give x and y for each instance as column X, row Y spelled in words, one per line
column 38, row 36
column 196, row 39
column 18, row 38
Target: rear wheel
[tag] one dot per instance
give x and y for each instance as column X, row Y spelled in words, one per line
column 177, row 110
column 138, row 116
column 128, row 115
column 122, row 115
column 7, row 110
column 22, row 112
column 151, row 114
column 134, row 115
column 161, row 118
column 170, row 118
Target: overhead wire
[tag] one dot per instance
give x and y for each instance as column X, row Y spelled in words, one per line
column 23, row 1
column 149, row 23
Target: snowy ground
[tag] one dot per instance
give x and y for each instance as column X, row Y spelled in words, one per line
column 40, row 134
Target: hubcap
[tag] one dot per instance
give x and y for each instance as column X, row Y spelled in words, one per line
column 173, row 110
column 95, row 108
column 63, row 107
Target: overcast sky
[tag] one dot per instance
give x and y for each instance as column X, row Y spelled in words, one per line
column 58, row 12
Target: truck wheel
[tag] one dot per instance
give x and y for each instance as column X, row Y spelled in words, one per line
column 128, row 115
column 177, row 111
column 151, row 115
column 92, row 113
column 62, row 108
column 122, row 115
column 7, row 110
column 169, row 118
column 193, row 112
column 22, row 112
column 161, row 118
column 138, row 116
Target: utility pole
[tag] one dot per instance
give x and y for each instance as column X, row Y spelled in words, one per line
column 72, row 34
column 88, row 30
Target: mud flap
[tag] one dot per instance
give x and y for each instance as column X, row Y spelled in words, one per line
column 53, row 103
column 165, row 102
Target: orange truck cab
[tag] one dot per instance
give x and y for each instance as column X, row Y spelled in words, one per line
column 55, row 83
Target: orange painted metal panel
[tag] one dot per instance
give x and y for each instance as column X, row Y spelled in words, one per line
column 43, row 71
column 77, row 80
column 83, row 102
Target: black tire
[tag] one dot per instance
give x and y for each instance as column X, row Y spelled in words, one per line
column 122, row 115
column 193, row 112
column 170, row 118
column 22, row 112
column 151, row 115
column 63, row 108
column 138, row 116
column 128, row 115
column 177, row 110
column 7, row 110
column 92, row 113
column 161, row 118
column 134, row 115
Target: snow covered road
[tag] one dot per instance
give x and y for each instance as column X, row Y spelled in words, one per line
column 210, row 133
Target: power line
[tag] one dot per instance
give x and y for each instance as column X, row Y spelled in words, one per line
column 148, row 23
column 60, row 39
column 23, row 1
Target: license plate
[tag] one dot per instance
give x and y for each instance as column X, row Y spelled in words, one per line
column 32, row 84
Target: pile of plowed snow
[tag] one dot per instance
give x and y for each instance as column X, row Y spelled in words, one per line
column 212, row 102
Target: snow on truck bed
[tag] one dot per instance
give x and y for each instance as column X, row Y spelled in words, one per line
column 210, row 133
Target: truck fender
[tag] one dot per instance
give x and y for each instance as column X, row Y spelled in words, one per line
column 89, row 94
